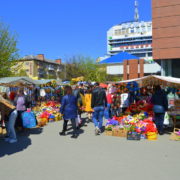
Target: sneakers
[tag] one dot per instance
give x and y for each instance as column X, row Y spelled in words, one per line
column 62, row 133
column 12, row 141
column 74, row 136
column 97, row 131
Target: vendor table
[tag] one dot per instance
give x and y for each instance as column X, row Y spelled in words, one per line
column 175, row 117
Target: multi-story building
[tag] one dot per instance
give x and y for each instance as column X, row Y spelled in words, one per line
column 38, row 67
column 129, row 46
column 132, row 37
column 166, row 35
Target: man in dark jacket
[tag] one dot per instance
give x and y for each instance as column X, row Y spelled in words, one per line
column 160, row 102
column 98, row 103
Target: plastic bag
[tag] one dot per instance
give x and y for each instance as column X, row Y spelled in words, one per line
column 166, row 119
column 29, row 120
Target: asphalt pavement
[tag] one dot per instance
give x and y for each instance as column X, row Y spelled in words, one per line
column 41, row 154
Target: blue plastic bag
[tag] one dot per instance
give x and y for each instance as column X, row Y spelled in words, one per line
column 28, row 120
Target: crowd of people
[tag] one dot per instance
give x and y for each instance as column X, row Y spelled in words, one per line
column 99, row 104
column 104, row 103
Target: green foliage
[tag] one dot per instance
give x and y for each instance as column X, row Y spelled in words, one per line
column 8, row 51
column 77, row 66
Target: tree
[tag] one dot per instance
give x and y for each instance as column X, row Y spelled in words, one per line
column 77, row 66
column 8, row 50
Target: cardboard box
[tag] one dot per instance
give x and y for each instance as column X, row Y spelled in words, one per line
column 122, row 133
column 108, row 133
column 119, row 132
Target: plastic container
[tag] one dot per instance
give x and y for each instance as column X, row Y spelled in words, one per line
column 152, row 136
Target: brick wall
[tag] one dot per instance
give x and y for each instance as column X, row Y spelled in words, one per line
column 133, row 69
column 166, row 29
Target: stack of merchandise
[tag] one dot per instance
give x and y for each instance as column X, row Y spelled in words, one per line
column 136, row 127
column 47, row 112
column 139, row 107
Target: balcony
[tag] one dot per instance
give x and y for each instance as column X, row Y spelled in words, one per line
column 50, row 68
column 59, row 69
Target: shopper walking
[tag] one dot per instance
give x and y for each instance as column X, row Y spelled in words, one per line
column 99, row 103
column 108, row 112
column 88, row 98
column 69, row 110
column 78, row 95
column 160, row 102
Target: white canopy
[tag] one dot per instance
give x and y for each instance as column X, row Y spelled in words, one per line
column 156, row 80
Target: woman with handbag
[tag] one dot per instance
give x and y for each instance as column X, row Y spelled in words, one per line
column 160, row 102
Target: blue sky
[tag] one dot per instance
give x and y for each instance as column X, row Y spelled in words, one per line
column 62, row 28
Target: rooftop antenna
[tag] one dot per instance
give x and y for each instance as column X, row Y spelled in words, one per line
column 136, row 15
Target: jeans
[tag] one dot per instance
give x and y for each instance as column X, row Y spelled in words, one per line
column 98, row 116
column 11, row 124
column 19, row 119
column 159, row 120
column 107, row 112
column 73, row 121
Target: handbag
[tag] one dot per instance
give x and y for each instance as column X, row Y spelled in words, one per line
column 158, row 109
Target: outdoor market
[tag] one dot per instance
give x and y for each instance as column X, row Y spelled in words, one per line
column 130, row 112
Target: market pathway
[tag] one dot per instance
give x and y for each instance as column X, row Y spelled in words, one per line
column 44, row 155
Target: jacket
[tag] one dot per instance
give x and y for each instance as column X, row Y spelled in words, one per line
column 160, row 98
column 69, row 107
column 109, row 98
column 98, row 98
column 88, row 98
column 77, row 94
column 26, row 102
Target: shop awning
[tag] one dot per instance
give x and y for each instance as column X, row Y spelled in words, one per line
column 118, row 58
column 16, row 81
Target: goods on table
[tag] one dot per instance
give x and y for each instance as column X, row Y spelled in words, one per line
column 134, row 127
column 47, row 112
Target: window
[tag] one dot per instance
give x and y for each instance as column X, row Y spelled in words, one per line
column 137, row 30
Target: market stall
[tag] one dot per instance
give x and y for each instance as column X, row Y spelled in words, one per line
column 44, row 111
column 137, row 122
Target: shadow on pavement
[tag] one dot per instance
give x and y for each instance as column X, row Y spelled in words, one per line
column 80, row 131
column 23, row 142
